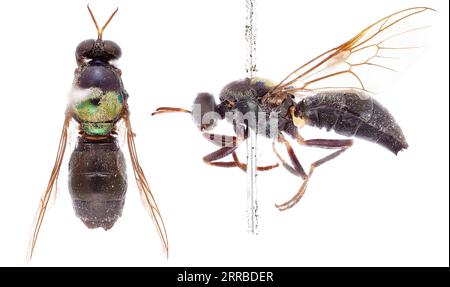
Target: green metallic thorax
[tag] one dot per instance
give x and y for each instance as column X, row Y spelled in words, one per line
column 98, row 113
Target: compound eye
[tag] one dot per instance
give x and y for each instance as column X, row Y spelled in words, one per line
column 84, row 49
column 112, row 49
column 204, row 111
column 205, row 102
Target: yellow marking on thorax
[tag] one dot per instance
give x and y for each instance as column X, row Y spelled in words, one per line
column 298, row 121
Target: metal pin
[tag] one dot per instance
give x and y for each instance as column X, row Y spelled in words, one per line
column 252, row 202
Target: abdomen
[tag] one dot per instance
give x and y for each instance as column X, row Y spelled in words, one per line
column 350, row 115
column 97, row 182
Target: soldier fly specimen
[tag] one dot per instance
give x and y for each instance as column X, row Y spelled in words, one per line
column 97, row 171
column 331, row 91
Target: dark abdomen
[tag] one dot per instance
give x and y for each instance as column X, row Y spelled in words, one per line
column 350, row 115
column 97, row 182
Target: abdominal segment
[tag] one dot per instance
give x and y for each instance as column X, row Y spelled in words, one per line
column 97, row 182
column 350, row 115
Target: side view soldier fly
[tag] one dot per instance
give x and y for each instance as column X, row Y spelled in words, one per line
column 332, row 91
column 97, row 170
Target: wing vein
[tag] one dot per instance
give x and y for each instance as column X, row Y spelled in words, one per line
column 144, row 187
column 50, row 187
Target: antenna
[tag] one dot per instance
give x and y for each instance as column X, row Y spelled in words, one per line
column 100, row 31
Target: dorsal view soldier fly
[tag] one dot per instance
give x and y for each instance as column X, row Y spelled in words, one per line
column 332, row 91
column 97, row 170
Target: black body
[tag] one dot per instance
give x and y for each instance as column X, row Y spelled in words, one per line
column 246, row 98
column 256, row 104
column 97, row 181
column 350, row 115
column 97, row 170
column 346, row 112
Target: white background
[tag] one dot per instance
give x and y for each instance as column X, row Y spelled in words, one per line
column 366, row 208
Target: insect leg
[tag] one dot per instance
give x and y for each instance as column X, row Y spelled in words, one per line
column 243, row 166
column 231, row 141
column 219, row 154
column 222, row 140
column 342, row 145
column 296, row 167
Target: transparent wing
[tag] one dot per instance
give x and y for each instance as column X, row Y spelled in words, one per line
column 370, row 61
column 73, row 132
column 51, row 186
column 146, row 194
